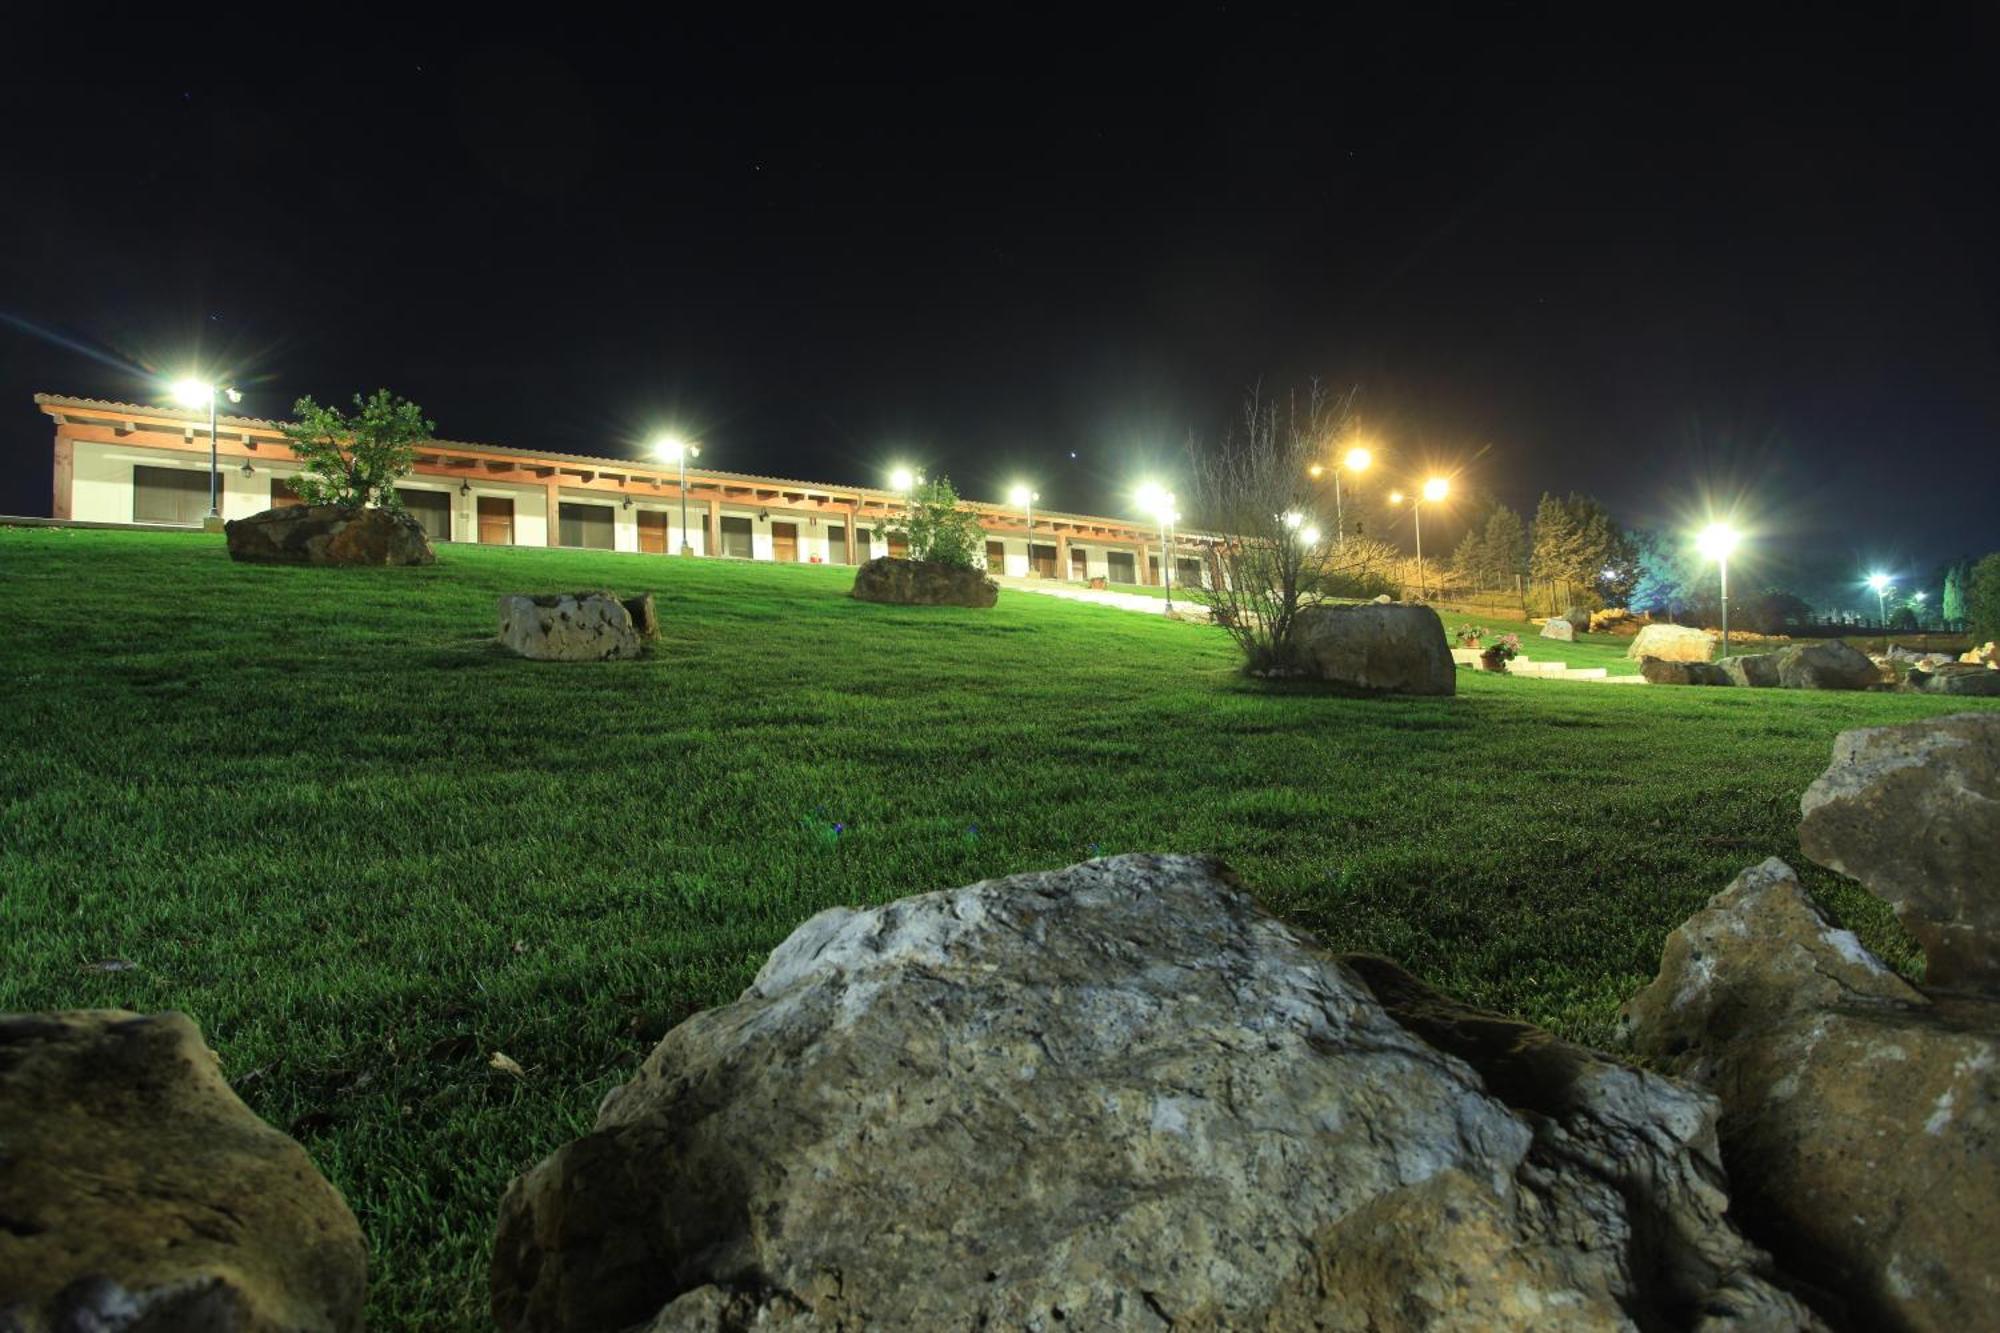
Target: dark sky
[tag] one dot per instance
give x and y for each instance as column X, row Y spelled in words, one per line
column 1653, row 265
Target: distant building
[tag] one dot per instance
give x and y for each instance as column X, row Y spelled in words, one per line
column 121, row 463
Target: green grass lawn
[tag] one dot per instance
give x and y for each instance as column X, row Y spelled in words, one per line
column 321, row 813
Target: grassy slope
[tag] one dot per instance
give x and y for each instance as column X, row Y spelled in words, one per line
column 365, row 850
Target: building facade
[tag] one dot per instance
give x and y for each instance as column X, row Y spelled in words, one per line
column 122, row 463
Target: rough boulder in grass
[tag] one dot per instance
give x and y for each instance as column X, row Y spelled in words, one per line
column 1831, row 665
column 575, row 626
column 138, row 1195
column 1913, row 812
column 328, row 535
column 1859, row 1116
column 1121, row 1096
column 1377, row 649
column 1672, row 643
column 923, row 583
column 1560, row 628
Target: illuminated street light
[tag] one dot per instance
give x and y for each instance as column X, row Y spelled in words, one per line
column 1880, row 583
column 673, row 449
column 200, row 393
column 1917, row 597
column 1293, row 518
column 1435, row 490
column 1717, row 542
column 1310, row 537
column 904, row 480
column 1160, row 503
column 1025, row 496
column 1358, row 459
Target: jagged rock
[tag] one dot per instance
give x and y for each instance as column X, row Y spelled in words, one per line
column 1393, row 649
column 1858, row 1116
column 1828, row 665
column 137, row 1193
column 1120, row 1096
column 923, row 583
column 328, row 535
column 1913, row 812
column 569, row 626
column 1960, row 678
column 1753, row 670
column 1559, row 629
column 1658, row 671
column 1672, row 643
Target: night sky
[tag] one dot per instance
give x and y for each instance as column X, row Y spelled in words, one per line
column 1705, row 260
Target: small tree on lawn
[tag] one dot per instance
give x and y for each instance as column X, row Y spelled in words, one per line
column 1254, row 490
column 1982, row 599
column 356, row 458
column 936, row 527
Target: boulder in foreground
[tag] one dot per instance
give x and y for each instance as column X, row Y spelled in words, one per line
column 329, row 535
column 1858, row 1114
column 137, row 1192
column 571, row 626
column 1121, row 1096
column 1913, row 812
column 923, row 583
column 1380, row 649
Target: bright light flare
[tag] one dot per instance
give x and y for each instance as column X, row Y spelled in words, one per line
column 1358, row 459
column 1293, row 519
column 1879, row 582
column 1157, row 501
column 1436, row 489
column 1395, row 497
column 1023, row 495
column 193, row 392
column 672, row 449
column 1310, row 536
column 1716, row 542
column 902, row 479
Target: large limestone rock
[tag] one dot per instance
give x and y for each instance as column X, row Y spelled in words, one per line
column 328, row 535
column 1559, row 629
column 1753, row 670
column 1672, row 643
column 1392, row 649
column 1956, row 678
column 1913, row 812
column 1858, row 1116
column 1828, row 665
column 923, row 583
column 1659, row 671
column 570, row 626
column 137, row 1193
column 1120, row 1096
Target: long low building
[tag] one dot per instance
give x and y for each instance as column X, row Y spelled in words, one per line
column 123, row 463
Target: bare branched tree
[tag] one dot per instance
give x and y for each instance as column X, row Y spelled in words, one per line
column 1273, row 555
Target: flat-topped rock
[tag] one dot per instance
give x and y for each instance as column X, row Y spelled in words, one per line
column 1376, row 648
column 1672, row 643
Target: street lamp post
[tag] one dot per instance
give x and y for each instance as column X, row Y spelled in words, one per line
column 1025, row 497
column 1717, row 541
column 1356, row 461
column 1161, row 503
column 1434, row 491
column 1880, row 583
column 197, row 393
column 675, row 450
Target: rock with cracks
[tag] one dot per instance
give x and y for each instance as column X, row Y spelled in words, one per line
column 923, row 583
column 1559, row 629
column 1379, row 649
column 328, row 535
column 137, row 1193
column 1913, row 812
column 571, row 626
column 1831, row 665
column 1858, row 1115
column 1121, row 1096
column 1672, row 643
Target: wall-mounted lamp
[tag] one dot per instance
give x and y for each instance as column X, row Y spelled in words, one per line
column 763, row 516
column 248, row 471
column 627, row 504
column 465, row 488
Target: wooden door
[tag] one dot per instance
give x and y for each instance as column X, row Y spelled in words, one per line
column 284, row 495
column 785, row 543
column 653, row 531
column 1079, row 564
column 996, row 557
column 496, row 520
column 1042, row 559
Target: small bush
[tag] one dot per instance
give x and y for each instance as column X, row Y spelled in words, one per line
column 937, row 529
